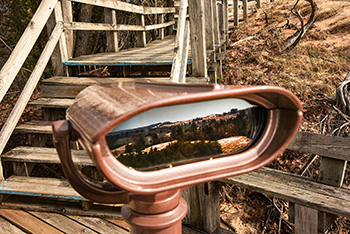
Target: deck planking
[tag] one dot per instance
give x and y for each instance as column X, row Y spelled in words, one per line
column 156, row 53
column 22, row 221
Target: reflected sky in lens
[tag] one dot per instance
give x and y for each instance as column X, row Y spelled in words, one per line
column 182, row 112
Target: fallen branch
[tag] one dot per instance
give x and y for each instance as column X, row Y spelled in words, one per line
column 293, row 40
column 242, row 40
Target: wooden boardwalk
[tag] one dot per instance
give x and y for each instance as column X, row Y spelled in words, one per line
column 156, row 53
column 16, row 221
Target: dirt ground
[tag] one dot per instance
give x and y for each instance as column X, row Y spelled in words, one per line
column 311, row 71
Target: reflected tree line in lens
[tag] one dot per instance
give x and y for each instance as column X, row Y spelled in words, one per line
column 165, row 144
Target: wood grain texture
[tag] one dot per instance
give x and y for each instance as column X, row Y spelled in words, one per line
column 8, row 228
column 67, row 208
column 31, row 84
column 330, row 146
column 62, row 223
column 28, row 222
column 52, row 103
column 101, row 225
column 35, row 126
column 44, row 155
column 24, row 45
column 197, row 38
column 305, row 220
column 159, row 52
column 39, row 187
column 296, row 189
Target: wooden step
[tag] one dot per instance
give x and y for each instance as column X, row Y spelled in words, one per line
column 39, row 187
column 68, row 208
column 54, row 103
column 44, row 155
column 69, row 87
column 36, row 127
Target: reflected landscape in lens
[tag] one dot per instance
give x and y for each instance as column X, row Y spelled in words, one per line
column 174, row 135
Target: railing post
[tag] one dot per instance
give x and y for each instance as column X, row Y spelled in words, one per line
column 141, row 36
column 203, row 206
column 170, row 17
column 245, row 9
column 210, row 38
column 258, row 4
column 197, row 36
column 111, row 36
column 67, row 18
column 236, row 13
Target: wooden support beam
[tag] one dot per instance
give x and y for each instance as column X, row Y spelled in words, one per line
column 170, row 17
column 112, row 37
column 305, row 220
column 197, row 36
column 24, row 45
column 203, row 206
column 178, row 69
column 236, row 12
column 141, row 40
column 258, row 4
column 245, row 9
column 67, row 13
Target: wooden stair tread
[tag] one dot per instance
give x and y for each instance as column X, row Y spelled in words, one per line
column 39, row 187
column 68, row 208
column 156, row 53
column 86, row 81
column 44, row 155
column 35, row 126
column 52, row 102
column 296, row 189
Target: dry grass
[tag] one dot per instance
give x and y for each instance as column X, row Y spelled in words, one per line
column 311, row 71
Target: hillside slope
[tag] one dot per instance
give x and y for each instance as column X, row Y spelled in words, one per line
column 311, row 71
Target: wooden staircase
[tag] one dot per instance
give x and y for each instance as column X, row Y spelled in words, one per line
column 25, row 191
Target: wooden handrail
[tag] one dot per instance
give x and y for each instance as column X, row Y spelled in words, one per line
column 113, row 27
column 128, row 7
column 25, row 45
column 34, row 78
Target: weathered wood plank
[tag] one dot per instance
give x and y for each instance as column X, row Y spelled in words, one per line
column 28, row 222
column 44, row 155
column 8, row 228
column 295, row 189
column 158, row 26
column 159, row 52
column 330, row 146
column 27, row 91
column 178, row 69
column 159, row 10
column 111, row 37
column 68, row 208
column 39, row 187
column 52, row 103
column 120, row 223
column 100, row 225
column 305, row 220
column 62, row 223
column 24, row 45
column 197, row 37
column 35, row 126
column 87, row 81
column 102, row 27
column 115, row 5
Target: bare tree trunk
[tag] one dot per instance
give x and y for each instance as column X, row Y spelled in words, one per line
column 293, row 40
column 343, row 95
column 82, row 37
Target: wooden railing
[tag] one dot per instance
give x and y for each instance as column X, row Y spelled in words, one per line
column 63, row 22
column 19, row 55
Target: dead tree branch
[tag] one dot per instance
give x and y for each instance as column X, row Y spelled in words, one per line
column 293, row 40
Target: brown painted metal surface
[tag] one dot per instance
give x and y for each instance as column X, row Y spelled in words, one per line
column 100, row 108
